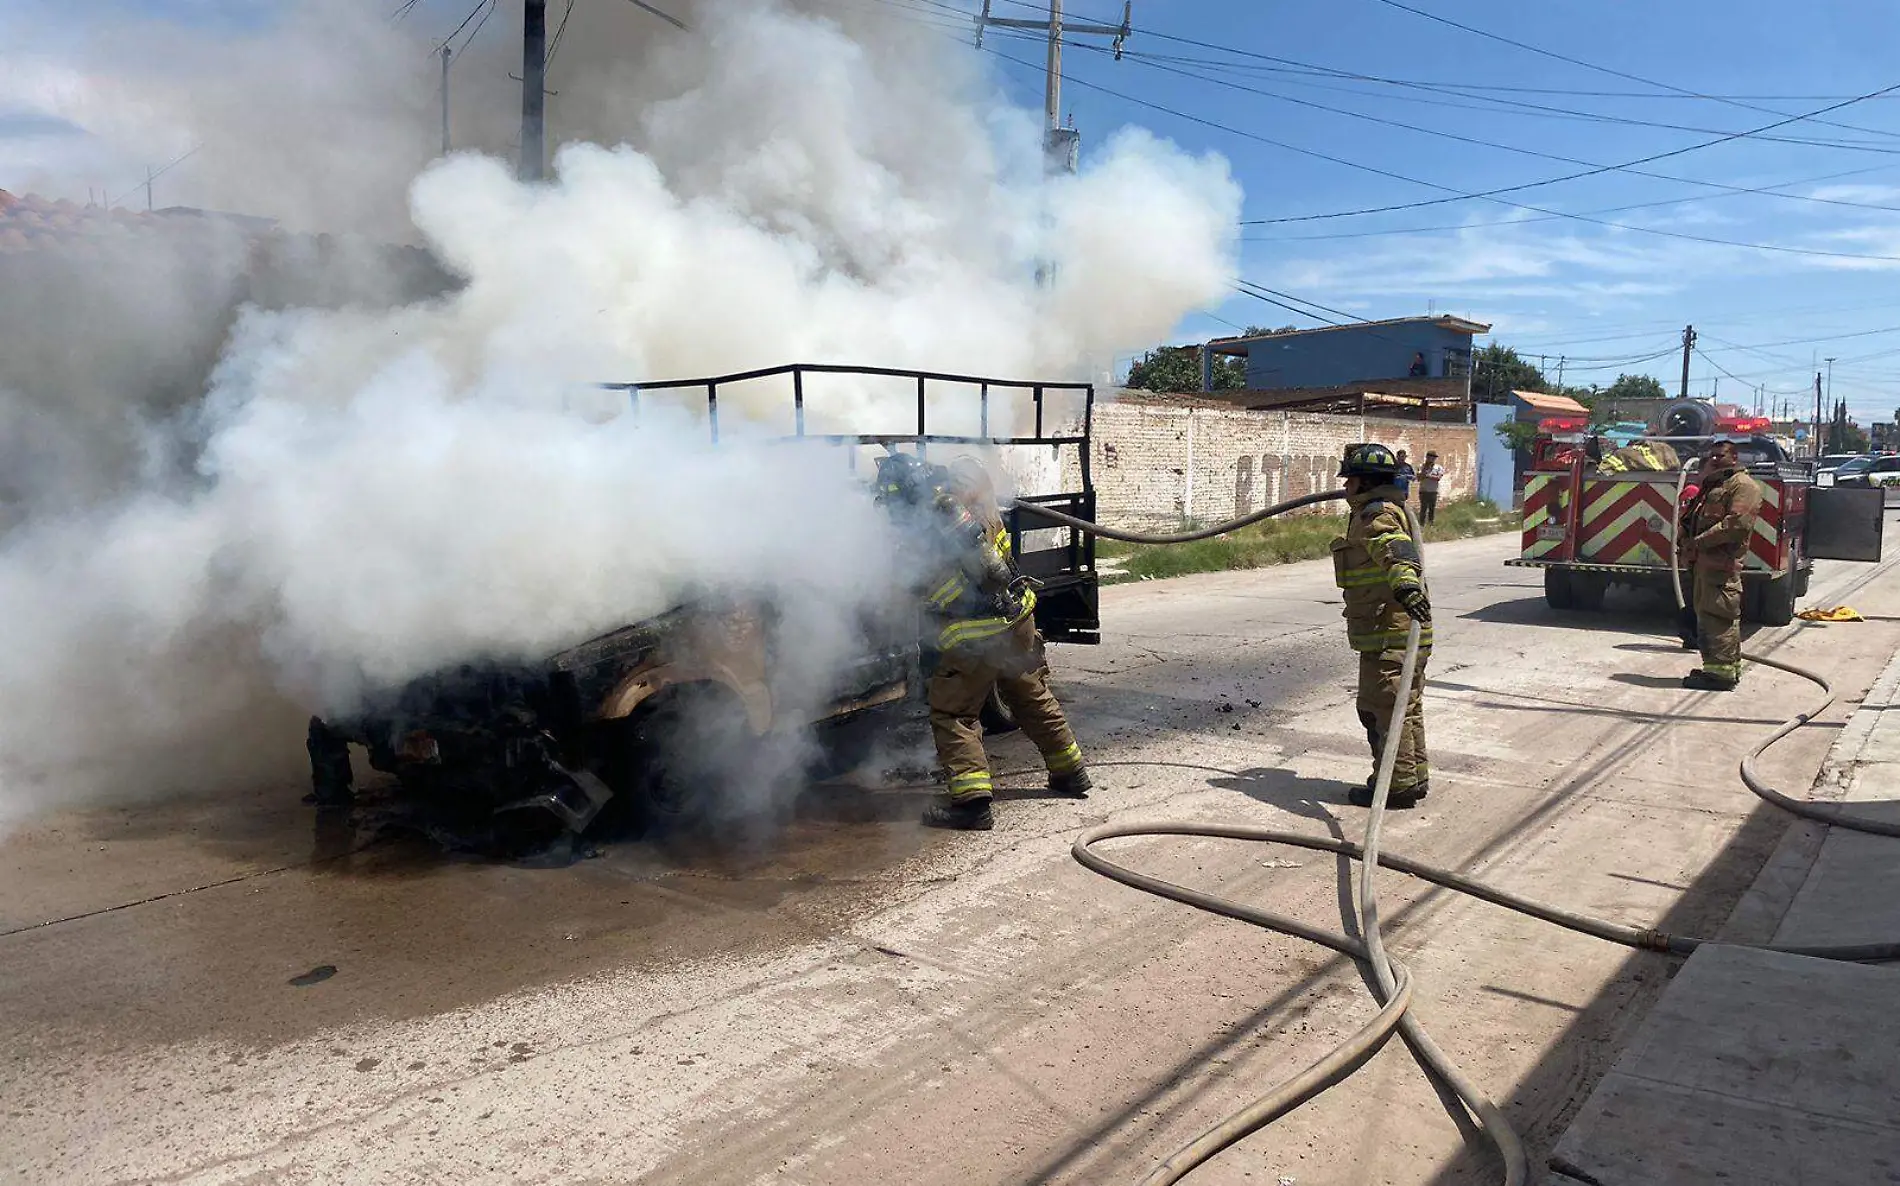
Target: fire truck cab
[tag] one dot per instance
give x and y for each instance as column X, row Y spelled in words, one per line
column 1588, row 529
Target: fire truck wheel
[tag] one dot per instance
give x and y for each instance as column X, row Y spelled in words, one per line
column 1557, row 589
column 1587, row 590
column 1801, row 576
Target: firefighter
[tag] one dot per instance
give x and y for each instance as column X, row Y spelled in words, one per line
column 986, row 638
column 1716, row 532
column 1642, row 456
column 1378, row 566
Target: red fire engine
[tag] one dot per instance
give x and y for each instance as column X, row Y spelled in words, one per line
column 1589, row 530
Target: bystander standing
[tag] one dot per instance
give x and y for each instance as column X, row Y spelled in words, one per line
column 1429, row 475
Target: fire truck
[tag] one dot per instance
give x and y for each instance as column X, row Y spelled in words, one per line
column 1589, row 530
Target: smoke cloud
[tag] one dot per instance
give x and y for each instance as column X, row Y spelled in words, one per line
column 360, row 494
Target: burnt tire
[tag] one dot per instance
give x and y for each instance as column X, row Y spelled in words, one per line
column 1558, row 591
column 674, row 760
column 996, row 716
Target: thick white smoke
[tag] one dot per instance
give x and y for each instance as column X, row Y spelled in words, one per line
column 383, row 491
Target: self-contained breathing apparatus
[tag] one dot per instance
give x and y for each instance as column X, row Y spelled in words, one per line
column 949, row 536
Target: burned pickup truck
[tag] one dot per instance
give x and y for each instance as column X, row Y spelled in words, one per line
column 651, row 723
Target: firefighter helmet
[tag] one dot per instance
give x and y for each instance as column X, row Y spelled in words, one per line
column 905, row 478
column 1369, row 461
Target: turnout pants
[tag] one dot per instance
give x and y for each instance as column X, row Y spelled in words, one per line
column 1378, row 692
column 1718, row 614
column 1013, row 664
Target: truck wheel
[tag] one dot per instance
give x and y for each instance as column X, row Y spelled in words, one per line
column 1557, row 589
column 675, row 760
column 1801, row 576
column 996, row 716
column 1774, row 601
column 1587, row 590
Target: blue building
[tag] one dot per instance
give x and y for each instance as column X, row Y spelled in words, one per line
column 1336, row 355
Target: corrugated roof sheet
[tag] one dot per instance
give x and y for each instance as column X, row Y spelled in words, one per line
column 1556, row 405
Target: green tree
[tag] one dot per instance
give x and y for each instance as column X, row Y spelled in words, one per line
column 1498, row 371
column 1176, row 370
column 1635, row 387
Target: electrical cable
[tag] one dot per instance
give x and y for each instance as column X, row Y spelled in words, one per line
column 1394, row 986
column 1481, row 143
column 1499, row 37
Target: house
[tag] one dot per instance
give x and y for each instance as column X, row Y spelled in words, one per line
column 1362, row 352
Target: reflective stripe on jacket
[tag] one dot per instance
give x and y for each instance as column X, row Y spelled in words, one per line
column 1372, row 561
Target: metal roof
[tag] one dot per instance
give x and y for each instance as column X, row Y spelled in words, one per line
column 1559, row 405
column 1238, row 345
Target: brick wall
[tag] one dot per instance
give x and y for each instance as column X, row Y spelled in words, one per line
column 1160, row 461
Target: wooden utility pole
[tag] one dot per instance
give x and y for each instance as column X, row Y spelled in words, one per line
column 1688, row 344
column 534, row 62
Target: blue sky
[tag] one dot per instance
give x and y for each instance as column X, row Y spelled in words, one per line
column 1602, row 297
column 1488, row 115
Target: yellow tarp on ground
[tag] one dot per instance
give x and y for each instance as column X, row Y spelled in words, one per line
column 1840, row 613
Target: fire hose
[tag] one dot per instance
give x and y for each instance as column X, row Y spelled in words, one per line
column 1393, row 983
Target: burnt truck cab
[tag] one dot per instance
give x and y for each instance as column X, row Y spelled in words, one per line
column 652, row 716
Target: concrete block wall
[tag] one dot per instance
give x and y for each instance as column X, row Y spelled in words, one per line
column 1158, row 462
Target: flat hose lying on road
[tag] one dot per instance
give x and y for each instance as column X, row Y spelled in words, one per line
column 1393, row 982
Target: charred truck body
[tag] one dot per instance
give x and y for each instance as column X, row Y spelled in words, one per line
column 643, row 716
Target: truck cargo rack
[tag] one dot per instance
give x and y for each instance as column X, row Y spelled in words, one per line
column 1068, row 606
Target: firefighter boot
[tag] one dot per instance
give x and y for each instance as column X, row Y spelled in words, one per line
column 1074, row 784
column 1702, row 681
column 963, row 815
column 1396, row 799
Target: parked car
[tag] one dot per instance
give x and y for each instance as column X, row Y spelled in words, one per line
column 1879, row 471
column 1834, row 461
column 1844, row 472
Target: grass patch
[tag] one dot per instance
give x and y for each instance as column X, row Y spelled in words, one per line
column 1281, row 541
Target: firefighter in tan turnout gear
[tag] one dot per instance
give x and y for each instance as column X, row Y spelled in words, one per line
column 1716, row 532
column 985, row 635
column 1378, row 567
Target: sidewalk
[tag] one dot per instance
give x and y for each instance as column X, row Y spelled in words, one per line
column 1774, row 1069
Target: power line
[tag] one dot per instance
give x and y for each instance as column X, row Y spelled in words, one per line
column 554, row 46
column 1730, row 191
column 1620, row 73
column 1510, row 147
column 1488, row 195
column 1462, row 195
column 1485, row 103
column 667, row 17
column 151, row 177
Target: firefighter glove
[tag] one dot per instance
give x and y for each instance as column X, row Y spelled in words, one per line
column 1412, row 600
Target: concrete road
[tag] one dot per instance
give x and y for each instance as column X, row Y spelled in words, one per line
column 852, row 1000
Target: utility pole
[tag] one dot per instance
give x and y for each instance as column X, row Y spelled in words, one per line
column 148, row 189
column 1817, row 415
column 1830, row 393
column 1560, row 372
column 1688, row 344
column 1061, row 145
column 534, row 61
column 445, row 98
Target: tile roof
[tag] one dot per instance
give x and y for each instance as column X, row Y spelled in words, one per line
column 32, row 223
